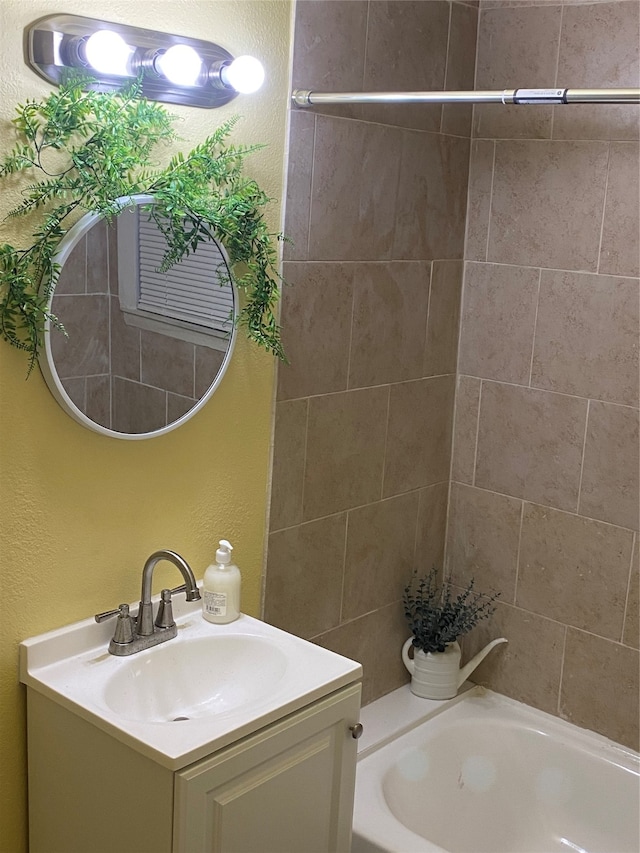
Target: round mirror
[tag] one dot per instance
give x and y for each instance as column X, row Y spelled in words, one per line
column 144, row 349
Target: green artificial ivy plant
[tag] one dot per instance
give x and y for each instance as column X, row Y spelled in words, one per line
column 85, row 149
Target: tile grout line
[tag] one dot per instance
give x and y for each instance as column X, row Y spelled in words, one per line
column 350, row 348
column 388, row 261
column 369, row 388
column 490, row 212
column 584, row 450
column 329, row 515
column 454, row 416
column 304, row 463
column 520, row 527
column 386, row 444
column 562, row 659
column 311, row 183
column 535, row 330
column 477, row 435
column 415, row 533
column 344, row 567
column 604, row 208
column 488, row 379
column 425, row 350
column 548, row 507
column 634, row 545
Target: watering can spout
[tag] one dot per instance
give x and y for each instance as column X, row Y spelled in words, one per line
column 466, row 670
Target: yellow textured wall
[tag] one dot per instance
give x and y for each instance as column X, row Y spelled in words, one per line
column 79, row 513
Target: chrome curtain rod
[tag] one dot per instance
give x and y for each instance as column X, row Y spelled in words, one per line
column 308, row 98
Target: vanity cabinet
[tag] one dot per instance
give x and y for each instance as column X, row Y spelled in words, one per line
column 286, row 788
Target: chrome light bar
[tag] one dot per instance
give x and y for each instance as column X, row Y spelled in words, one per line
column 200, row 73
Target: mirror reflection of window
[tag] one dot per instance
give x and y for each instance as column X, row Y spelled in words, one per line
column 191, row 301
column 137, row 377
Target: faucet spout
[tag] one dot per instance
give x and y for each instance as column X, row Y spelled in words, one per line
column 145, row 614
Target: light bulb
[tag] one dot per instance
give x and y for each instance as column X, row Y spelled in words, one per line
column 180, row 64
column 245, row 74
column 108, row 53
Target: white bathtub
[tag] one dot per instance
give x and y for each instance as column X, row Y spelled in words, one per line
column 486, row 774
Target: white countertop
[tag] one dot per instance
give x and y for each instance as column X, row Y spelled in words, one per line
column 72, row 667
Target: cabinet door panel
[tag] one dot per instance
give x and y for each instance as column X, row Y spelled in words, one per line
column 288, row 789
column 278, row 807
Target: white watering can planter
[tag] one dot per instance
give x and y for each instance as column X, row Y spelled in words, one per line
column 437, row 675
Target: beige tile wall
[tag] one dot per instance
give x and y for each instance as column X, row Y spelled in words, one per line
column 376, row 207
column 544, row 502
column 544, row 478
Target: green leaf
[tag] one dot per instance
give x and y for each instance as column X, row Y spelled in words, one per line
column 104, row 145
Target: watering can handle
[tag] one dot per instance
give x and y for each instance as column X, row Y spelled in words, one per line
column 405, row 656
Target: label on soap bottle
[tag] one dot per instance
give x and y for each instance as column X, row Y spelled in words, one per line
column 215, row 603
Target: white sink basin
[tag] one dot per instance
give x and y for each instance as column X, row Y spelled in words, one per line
column 201, row 677
column 228, row 681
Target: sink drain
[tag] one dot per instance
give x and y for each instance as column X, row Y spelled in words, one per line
column 179, row 719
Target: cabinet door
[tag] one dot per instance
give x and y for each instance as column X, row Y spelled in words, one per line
column 287, row 789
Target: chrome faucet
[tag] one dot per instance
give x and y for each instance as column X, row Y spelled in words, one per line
column 135, row 633
column 144, row 622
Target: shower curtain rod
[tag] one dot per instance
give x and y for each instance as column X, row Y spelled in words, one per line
column 308, row 98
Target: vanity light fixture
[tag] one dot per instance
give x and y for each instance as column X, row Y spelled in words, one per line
column 173, row 69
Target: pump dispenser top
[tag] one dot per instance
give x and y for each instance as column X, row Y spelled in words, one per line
column 223, row 554
column 221, row 587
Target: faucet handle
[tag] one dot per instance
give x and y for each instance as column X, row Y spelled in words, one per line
column 165, row 619
column 102, row 617
column 123, row 633
column 124, row 626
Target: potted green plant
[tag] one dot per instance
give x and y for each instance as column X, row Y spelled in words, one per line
column 437, row 617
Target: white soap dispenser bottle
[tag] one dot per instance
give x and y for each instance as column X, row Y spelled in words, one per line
column 221, row 587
